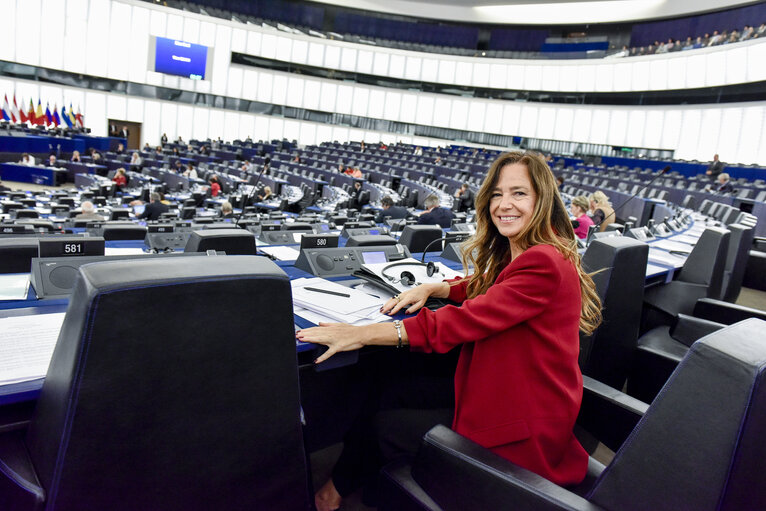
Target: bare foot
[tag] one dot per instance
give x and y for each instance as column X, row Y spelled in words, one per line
column 327, row 498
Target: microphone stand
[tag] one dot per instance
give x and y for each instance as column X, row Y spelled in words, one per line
column 249, row 196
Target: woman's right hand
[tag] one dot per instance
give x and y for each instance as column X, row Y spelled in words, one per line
column 414, row 299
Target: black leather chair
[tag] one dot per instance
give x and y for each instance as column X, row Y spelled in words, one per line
column 661, row 349
column 16, row 254
column 231, row 241
column 620, row 266
column 26, row 213
column 740, row 242
column 700, row 277
column 417, row 237
column 698, row 446
column 124, row 232
column 173, row 385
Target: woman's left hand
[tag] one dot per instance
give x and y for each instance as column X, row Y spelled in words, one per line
column 336, row 336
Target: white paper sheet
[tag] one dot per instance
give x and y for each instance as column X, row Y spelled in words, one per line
column 14, row 286
column 332, row 302
column 26, row 346
column 118, row 251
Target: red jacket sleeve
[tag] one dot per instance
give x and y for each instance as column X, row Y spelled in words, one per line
column 522, row 291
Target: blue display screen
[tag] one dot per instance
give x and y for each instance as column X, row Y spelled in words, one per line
column 180, row 58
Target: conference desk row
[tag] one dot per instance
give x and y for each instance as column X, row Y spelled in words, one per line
column 330, row 402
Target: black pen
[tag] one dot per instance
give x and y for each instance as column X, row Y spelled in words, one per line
column 317, row 290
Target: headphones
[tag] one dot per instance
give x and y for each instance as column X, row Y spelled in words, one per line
column 407, row 278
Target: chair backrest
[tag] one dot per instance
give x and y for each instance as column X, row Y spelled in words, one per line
column 740, row 243
column 124, row 232
column 231, row 241
column 621, row 265
column 706, row 263
column 700, row 445
column 16, row 254
column 417, row 237
column 173, row 385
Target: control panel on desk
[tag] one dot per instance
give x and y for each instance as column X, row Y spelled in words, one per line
column 343, row 261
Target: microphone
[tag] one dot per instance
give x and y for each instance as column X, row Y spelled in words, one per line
column 647, row 185
column 250, row 195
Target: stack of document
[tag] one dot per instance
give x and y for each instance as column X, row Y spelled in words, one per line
column 27, row 346
column 316, row 300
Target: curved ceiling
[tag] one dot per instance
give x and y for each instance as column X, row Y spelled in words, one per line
column 539, row 12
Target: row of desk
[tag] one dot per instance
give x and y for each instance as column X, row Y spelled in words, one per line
column 21, row 396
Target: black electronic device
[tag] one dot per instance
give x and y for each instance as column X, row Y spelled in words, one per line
column 407, row 278
column 359, row 231
column 340, row 262
column 16, row 254
column 163, row 241
column 348, row 226
column 69, row 246
column 281, row 237
column 319, row 241
column 640, row 233
column 271, row 227
column 464, row 227
column 453, row 245
column 54, row 277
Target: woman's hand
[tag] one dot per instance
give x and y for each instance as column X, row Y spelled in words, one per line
column 336, row 336
column 414, row 299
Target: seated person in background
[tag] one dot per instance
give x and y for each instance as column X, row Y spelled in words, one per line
column 120, row 149
column 120, row 179
column 176, row 153
column 435, row 215
column 723, row 184
column 226, row 210
column 154, row 209
column 265, row 194
column 136, row 160
column 95, row 156
column 560, row 181
column 247, row 166
column 356, row 173
column 518, row 386
column 147, row 147
column 178, row 167
column 75, row 156
column 579, row 209
column 27, row 159
column 204, row 150
column 603, row 214
column 88, row 212
column 356, row 194
column 465, row 197
column 52, row 161
column 190, row 172
column 390, row 210
column 215, row 186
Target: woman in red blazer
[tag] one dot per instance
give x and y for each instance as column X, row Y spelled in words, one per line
column 518, row 387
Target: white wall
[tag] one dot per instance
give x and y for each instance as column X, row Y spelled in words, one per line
column 119, row 49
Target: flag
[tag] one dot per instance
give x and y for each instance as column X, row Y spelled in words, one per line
column 15, row 110
column 31, row 117
column 80, row 118
column 22, row 113
column 7, row 113
column 48, row 115
column 3, row 115
column 39, row 114
column 56, row 118
column 65, row 116
column 73, row 121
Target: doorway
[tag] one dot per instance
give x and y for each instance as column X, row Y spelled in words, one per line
column 116, row 127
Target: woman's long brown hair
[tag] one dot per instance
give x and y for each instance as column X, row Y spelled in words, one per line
column 489, row 252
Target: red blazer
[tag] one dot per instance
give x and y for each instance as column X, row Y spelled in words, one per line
column 518, row 387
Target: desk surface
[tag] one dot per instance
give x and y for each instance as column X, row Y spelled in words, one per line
column 656, row 272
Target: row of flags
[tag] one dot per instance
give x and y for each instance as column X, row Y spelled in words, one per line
column 38, row 117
